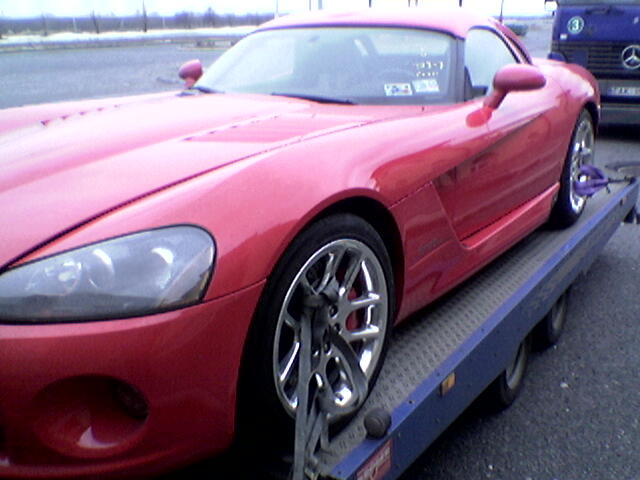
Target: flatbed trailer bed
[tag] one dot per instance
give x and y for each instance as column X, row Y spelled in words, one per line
column 445, row 356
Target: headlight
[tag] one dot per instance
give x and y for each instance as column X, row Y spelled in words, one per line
column 138, row 274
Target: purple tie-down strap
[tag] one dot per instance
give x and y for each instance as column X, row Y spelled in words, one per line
column 592, row 180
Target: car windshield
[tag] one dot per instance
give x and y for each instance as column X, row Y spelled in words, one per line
column 388, row 66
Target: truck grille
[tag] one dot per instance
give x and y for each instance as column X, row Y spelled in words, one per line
column 603, row 58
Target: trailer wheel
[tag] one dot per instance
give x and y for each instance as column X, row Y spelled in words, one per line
column 569, row 205
column 504, row 389
column 340, row 261
column 548, row 331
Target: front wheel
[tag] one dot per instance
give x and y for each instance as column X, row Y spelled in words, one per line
column 341, row 266
column 569, row 205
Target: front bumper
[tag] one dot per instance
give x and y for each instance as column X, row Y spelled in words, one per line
column 620, row 113
column 616, row 109
column 120, row 396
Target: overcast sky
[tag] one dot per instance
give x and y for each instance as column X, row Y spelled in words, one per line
column 30, row 8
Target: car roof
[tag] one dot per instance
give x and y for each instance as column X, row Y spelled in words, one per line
column 456, row 21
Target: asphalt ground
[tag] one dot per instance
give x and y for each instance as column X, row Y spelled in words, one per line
column 577, row 416
column 38, row 76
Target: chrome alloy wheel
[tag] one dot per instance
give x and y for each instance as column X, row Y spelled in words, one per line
column 349, row 276
column 581, row 154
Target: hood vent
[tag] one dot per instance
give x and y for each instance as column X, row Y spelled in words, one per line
column 273, row 129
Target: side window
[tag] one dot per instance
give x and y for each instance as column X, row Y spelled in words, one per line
column 484, row 54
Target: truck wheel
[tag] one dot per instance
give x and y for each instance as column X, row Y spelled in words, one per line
column 569, row 205
column 548, row 331
column 504, row 389
column 343, row 261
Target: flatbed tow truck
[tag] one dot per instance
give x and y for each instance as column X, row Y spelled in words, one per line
column 447, row 355
column 472, row 341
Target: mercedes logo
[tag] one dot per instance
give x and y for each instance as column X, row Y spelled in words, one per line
column 631, row 57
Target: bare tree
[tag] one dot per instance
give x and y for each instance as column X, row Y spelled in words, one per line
column 210, row 17
column 95, row 19
column 183, row 19
column 145, row 18
column 45, row 25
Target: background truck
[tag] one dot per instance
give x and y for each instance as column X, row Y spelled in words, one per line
column 604, row 37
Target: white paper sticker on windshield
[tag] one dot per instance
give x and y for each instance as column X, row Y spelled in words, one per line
column 426, row 85
column 397, row 89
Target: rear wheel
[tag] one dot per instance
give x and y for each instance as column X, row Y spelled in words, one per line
column 505, row 389
column 548, row 331
column 341, row 262
column 569, row 205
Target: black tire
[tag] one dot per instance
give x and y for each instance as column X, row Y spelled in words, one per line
column 267, row 403
column 548, row 331
column 569, row 205
column 505, row 389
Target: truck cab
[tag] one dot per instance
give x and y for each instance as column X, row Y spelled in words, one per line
column 604, row 37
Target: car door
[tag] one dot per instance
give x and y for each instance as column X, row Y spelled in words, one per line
column 517, row 162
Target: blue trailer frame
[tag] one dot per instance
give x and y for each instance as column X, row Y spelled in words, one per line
column 447, row 355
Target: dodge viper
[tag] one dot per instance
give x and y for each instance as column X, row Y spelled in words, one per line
column 159, row 252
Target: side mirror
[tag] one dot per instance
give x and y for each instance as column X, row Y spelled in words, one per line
column 190, row 72
column 514, row 77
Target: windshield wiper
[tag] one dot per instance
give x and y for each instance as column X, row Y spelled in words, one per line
column 203, row 89
column 315, row 98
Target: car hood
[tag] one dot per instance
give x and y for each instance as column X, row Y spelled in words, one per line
column 63, row 165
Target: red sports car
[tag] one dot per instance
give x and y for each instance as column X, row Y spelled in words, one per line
column 158, row 252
